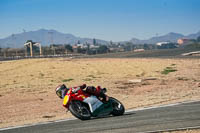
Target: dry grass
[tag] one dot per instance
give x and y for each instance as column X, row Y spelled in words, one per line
column 27, row 87
column 186, row 131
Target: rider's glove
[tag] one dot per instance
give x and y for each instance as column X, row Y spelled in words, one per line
column 83, row 86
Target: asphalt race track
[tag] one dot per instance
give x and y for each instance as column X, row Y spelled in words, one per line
column 165, row 118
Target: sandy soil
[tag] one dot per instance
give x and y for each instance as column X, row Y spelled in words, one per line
column 186, row 131
column 27, row 87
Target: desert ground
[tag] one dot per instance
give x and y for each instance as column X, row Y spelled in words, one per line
column 185, row 131
column 27, row 87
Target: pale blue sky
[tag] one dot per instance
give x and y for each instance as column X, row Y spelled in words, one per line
column 115, row 20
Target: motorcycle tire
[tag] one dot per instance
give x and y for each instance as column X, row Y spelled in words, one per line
column 79, row 110
column 118, row 107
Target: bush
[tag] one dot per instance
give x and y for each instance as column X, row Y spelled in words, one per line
column 67, row 80
column 168, row 70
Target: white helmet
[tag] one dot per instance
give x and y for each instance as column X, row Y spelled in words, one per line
column 61, row 90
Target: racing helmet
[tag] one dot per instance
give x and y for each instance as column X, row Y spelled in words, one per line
column 61, row 90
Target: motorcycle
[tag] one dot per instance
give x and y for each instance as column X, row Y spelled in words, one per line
column 84, row 106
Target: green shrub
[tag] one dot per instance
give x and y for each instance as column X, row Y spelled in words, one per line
column 168, row 70
column 67, row 80
column 87, row 79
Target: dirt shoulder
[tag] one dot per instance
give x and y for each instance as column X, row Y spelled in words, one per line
column 186, row 131
column 27, row 87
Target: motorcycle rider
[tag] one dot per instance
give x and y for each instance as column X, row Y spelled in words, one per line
column 99, row 92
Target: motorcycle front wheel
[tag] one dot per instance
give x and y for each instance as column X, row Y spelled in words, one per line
column 118, row 107
column 79, row 110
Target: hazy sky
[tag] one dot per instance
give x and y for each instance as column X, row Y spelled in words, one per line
column 115, row 20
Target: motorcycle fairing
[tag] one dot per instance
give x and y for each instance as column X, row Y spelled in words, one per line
column 66, row 99
column 93, row 102
column 104, row 109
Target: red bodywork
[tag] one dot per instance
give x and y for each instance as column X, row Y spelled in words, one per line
column 79, row 95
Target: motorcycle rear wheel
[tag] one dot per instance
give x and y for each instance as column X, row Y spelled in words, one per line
column 79, row 110
column 118, row 107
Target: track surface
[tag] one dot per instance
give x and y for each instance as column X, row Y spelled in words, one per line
column 147, row 120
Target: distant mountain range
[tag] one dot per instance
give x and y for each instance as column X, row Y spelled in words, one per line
column 170, row 37
column 46, row 37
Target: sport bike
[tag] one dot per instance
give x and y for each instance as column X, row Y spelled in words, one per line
column 84, row 106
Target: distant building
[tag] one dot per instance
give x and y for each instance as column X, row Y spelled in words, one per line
column 94, row 46
column 57, row 46
column 139, row 50
column 162, row 43
column 184, row 41
column 120, row 49
column 166, row 45
column 79, row 46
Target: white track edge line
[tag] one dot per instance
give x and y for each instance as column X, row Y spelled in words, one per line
column 161, row 106
column 40, row 123
column 175, row 129
column 131, row 110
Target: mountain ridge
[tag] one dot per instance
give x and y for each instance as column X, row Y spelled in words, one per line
column 170, row 37
column 47, row 37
